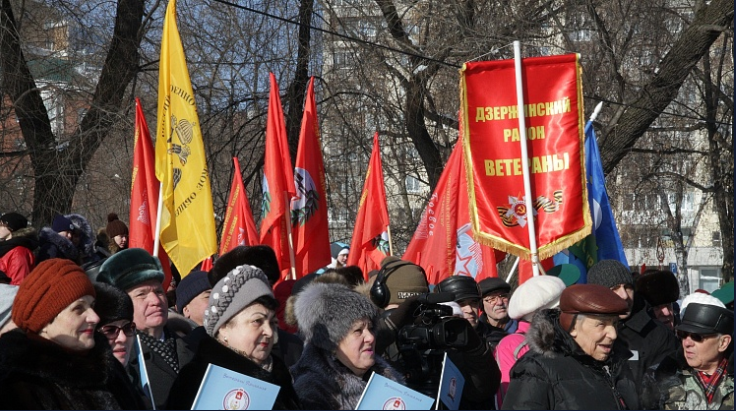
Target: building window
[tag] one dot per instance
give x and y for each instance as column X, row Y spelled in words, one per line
column 716, row 238
column 709, row 280
column 413, row 185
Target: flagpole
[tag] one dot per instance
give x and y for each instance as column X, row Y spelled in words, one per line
column 596, row 111
column 157, row 232
column 390, row 246
column 525, row 161
column 513, row 268
column 292, row 257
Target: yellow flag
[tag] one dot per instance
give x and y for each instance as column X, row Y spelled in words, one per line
column 187, row 219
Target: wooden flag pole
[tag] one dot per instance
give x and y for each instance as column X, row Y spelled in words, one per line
column 157, row 232
column 390, row 245
column 292, row 257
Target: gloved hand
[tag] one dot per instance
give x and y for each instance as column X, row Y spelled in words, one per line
column 403, row 314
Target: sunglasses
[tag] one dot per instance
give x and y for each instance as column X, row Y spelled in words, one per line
column 693, row 336
column 112, row 331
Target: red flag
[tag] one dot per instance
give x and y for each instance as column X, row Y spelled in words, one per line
column 370, row 234
column 309, row 207
column 278, row 181
column 443, row 243
column 239, row 228
column 144, row 193
column 525, row 268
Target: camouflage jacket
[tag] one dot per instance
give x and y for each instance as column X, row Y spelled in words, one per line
column 680, row 390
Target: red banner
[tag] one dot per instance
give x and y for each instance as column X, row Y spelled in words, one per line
column 239, row 228
column 278, row 182
column 443, row 243
column 144, row 193
column 370, row 233
column 309, row 207
column 553, row 109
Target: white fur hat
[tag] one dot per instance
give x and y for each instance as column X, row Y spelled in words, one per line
column 326, row 312
column 537, row 293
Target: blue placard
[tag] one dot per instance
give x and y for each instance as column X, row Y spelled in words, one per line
column 222, row 389
column 143, row 371
column 382, row 393
column 451, row 385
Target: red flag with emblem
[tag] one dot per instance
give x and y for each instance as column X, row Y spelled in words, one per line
column 443, row 243
column 278, row 181
column 144, row 193
column 309, row 207
column 239, row 228
column 370, row 233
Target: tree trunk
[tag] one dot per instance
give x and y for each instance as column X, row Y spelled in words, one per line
column 58, row 168
column 635, row 118
column 298, row 86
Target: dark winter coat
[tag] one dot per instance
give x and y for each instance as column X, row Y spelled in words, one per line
column 324, row 383
column 557, row 375
column 53, row 245
column 210, row 351
column 649, row 340
column 40, row 374
column 160, row 374
column 16, row 255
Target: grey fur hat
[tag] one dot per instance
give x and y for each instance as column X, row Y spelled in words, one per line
column 326, row 312
column 232, row 293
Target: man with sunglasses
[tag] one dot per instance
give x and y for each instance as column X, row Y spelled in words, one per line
column 700, row 377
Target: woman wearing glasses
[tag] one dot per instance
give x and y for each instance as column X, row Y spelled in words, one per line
column 701, row 377
column 56, row 359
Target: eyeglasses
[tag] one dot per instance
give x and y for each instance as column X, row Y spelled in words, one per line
column 492, row 299
column 112, row 331
column 693, row 336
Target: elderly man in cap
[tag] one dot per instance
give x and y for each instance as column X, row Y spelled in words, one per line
column 140, row 275
column 649, row 340
column 494, row 294
column 573, row 363
column 701, row 376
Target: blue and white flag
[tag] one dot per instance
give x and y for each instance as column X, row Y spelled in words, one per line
column 605, row 234
column 143, row 371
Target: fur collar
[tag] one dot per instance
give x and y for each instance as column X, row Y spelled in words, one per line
column 546, row 337
column 25, row 354
column 64, row 245
column 321, row 379
column 86, row 236
column 25, row 237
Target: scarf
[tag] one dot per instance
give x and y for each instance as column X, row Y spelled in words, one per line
column 166, row 349
column 710, row 383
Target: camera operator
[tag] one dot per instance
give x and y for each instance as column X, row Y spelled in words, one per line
column 416, row 331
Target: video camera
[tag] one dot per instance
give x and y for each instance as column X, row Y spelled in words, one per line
column 422, row 345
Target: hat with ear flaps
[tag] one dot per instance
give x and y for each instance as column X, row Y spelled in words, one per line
column 326, row 312
column 658, row 287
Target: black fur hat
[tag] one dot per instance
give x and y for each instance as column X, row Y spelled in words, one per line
column 658, row 287
column 261, row 256
column 112, row 304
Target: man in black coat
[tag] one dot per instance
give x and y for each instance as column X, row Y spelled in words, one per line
column 648, row 340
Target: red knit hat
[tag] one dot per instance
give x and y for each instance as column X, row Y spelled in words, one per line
column 48, row 290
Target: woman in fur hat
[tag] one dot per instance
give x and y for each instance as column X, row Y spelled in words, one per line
column 55, row 359
column 241, row 329
column 573, row 363
column 339, row 355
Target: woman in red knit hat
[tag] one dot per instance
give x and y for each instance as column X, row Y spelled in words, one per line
column 56, row 359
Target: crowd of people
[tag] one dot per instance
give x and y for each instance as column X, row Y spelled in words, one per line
column 85, row 323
